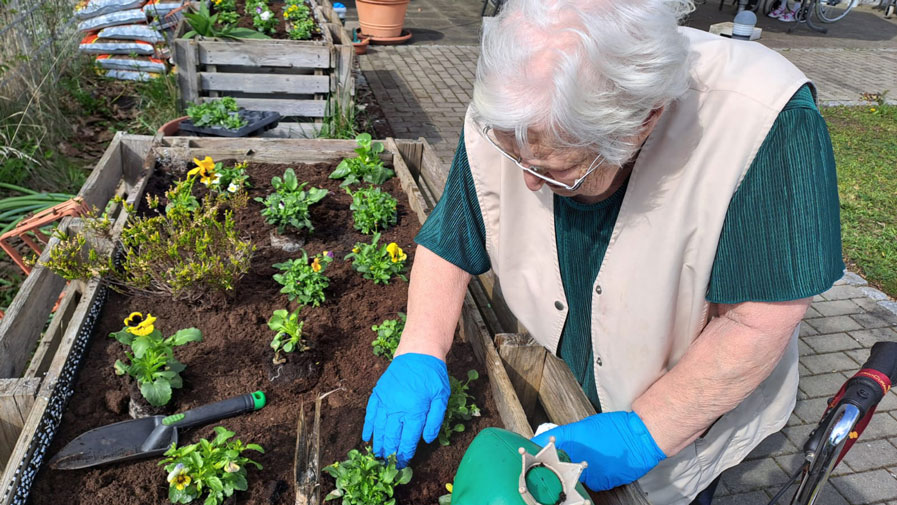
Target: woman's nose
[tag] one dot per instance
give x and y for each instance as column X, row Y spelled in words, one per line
column 532, row 182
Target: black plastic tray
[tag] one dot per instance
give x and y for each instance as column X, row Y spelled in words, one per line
column 258, row 121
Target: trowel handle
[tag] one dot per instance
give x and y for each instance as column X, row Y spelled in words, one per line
column 215, row 411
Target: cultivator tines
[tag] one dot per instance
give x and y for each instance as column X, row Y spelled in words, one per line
column 28, row 231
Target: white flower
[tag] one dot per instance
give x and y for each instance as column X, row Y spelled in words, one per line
column 216, row 179
column 179, row 469
column 232, row 188
column 265, row 15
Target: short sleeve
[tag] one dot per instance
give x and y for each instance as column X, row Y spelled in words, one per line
column 455, row 229
column 781, row 239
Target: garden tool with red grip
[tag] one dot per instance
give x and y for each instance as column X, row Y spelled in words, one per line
column 844, row 419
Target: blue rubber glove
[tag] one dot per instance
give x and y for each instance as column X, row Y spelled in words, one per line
column 408, row 400
column 616, row 445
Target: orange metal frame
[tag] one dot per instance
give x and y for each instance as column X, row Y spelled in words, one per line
column 74, row 207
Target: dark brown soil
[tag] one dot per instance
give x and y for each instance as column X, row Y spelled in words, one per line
column 235, row 358
column 280, row 30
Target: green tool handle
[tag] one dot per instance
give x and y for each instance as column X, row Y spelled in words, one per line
column 215, row 411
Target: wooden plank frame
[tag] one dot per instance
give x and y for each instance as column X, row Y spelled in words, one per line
column 297, row 78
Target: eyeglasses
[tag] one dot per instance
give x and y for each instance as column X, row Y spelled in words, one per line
column 539, row 172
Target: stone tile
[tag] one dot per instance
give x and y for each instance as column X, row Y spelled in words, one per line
column 776, row 444
column 832, row 362
column 889, row 305
column 833, row 342
column 877, row 319
column 870, row 455
column 830, row 496
column 867, row 487
column 873, row 293
column 811, row 313
column 803, row 349
column 750, row 498
column 799, row 434
column 842, row 292
column 888, row 403
column 882, row 425
column 871, row 336
column 752, row 475
column 853, row 279
column 835, row 324
column 806, row 330
column 811, row 410
column 825, row 385
column 794, row 421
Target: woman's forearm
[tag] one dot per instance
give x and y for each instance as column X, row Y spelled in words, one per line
column 732, row 356
column 435, row 297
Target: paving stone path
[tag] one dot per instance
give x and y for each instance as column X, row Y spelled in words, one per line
column 424, row 91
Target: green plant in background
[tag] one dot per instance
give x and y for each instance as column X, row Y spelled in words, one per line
column 362, row 479
column 15, row 208
column 373, row 209
column 151, row 359
column 263, row 18
column 157, row 101
column 214, row 467
column 378, row 262
column 304, row 281
column 367, row 166
column 289, row 203
column 460, row 408
column 227, row 12
column 222, row 112
column 389, row 332
column 289, row 333
column 204, row 24
column 864, row 139
column 299, row 21
column 339, row 123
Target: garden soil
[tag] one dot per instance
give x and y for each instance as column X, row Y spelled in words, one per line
column 235, row 358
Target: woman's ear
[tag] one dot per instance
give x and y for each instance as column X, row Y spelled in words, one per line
column 650, row 122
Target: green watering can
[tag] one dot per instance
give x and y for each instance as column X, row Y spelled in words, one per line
column 503, row 468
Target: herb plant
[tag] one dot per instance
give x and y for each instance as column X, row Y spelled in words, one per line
column 263, row 18
column 299, row 21
column 389, row 332
column 289, row 203
column 362, row 479
column 289, row 333
column 216, row 468
column 366, row 167
column 151, row 359
column 373, row 209
column 222, row 112
column 304, row 281
column 378, row 262
column 460, row 407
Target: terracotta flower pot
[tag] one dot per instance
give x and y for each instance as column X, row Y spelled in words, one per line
column 361, row 46
column 381, row 18
column 172, row 127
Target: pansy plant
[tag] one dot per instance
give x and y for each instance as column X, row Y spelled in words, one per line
column 378, row 262
column 263, row 18
column 389, row 332
column 216, row 468
column 366, row 167
column 150, row 360
column 289, row 203
column 213, row 175
column 362, row 479
column 299, row 22
column 305, row 281
column 460, row 407
column 289, row 333
column 373, row 209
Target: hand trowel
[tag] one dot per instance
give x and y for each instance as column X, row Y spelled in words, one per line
column 146, row 437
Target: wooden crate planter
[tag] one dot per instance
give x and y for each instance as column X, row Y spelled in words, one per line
column 124, row 170
column 297, row 78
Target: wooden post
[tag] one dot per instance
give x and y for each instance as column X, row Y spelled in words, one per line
column 186, row 57
column 307, row 460
column 524, row 360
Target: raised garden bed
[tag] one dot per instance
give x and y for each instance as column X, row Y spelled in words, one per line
column 300, row 79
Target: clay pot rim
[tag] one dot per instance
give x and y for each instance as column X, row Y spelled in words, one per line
column 403, row 37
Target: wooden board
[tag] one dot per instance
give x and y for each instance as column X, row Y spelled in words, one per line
column 274, row 84
column 307, row 108
column 16, row 399
column 264, row 53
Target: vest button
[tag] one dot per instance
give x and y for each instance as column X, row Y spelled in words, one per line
column 598, row 360
column 598, row 289
column 558, row 305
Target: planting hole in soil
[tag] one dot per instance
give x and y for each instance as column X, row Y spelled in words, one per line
column 235, row 355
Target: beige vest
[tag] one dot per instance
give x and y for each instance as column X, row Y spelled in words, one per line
column 648, row 302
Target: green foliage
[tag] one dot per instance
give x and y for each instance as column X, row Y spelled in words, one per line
column 214, row 467
column 222, row 112
column 9, row 286
column 186, row 252
column 378, row 263
column 460, row 408
column 231, row 180
column 289, row 203
column 362, row 479
column 304, row 281
column 367, row 166
column 15, row 208
column 289, row 333
column 373, row 209
column 389, row 332
column 865, row 144
column 339, row 123
column 299, row 20
column 263, row 18
column 227, row 11
column 157, row 101
column 204, row 24
column 150, row 360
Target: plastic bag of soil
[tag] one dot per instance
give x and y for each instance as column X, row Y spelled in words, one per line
column 159, row 8
column 127, row 17
column 130, row 75
column 92, row 44
column 134, row 63
column 96, row 8
column 132, row 32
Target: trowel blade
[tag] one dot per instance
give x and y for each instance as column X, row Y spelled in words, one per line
column 110, row 444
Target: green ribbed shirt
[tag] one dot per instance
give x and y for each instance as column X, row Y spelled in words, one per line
column 781, row 238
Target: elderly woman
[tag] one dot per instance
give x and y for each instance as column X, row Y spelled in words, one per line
column 659, row 205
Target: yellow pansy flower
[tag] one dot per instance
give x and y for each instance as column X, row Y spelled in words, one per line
column 355, row 250
column 395, row 252
column 138, row 325
column 179, row 478
column 316, row 265
column 205, row 169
